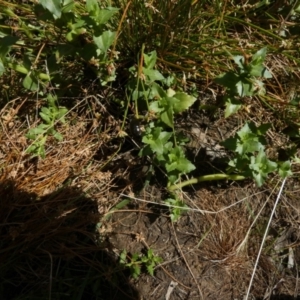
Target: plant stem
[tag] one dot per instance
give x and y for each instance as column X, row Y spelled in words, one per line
column 25, row 71
column 139, row 75
column 211, row 177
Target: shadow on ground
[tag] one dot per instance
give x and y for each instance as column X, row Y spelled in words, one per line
column 48, row 248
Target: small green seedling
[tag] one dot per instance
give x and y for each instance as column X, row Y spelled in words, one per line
column 136, row 262
column 250, row 159
column 177, row 207
column 50, row 116
column 245, row 82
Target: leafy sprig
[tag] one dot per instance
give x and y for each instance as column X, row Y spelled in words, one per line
column 50, row 116
column 246, row 81
column 136, row 262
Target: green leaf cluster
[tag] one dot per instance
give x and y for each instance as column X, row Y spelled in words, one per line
column 136, row 262
column 246, row 81
column 73, row 36
column 50, row 115
column 77, row 30
column 160, row 139
column 250, row 157
column 177, row 207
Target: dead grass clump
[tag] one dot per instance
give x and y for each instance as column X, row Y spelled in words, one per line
column 70, row 160
column 231, row 243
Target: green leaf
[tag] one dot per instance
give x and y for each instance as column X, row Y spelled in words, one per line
column 176, row 212
column 231, row 106
column 258, row 71
column 92, row 7
column 156, row 92
column 30, row 82
column 52, row 100
column 239, row 60
column 150, row 269
column 249, row 141
column 135, row 257
column 150, row 59
column 256, row 66
column 62, row 111
column 123, row 257
column 38, row 148
column 230, row 143
column 32, row 149
column 105, row 40
column 170, row 92
column 259, row 57
column 53, row 6
column 135, row 271
column 244, row 87
column 46, row 111
column 5, row 45
column 153, row 75
column 104, row 15
column 58, row 136
column 284, row 169
column 261, row 166
column 45, row 117
column 2, row 68
column 77, row 27
column 262, row 129
column 181, row 164
column 157, row 259
column 33, row 133
column 241, row 164
column 228, row 80
column 177, row 161
column 167, row 116
column 150, row 254
column 184, row 102
column 157, row 140
column 156, row 107
column 68, row 6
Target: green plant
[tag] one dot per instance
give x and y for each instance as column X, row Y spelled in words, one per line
column 249, row 144
column 250, row 159
column 177, row 207
column 50, row 116
column 136, row 262
column 245, row 82
column 78, row 33
column 151, row 90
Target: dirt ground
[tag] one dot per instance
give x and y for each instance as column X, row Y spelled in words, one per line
column 209, row 253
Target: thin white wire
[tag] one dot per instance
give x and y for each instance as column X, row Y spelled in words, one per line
column 264, row 238
column 194, row 209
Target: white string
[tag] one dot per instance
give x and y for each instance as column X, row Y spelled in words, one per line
column 193, row 209
column 264, row 239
